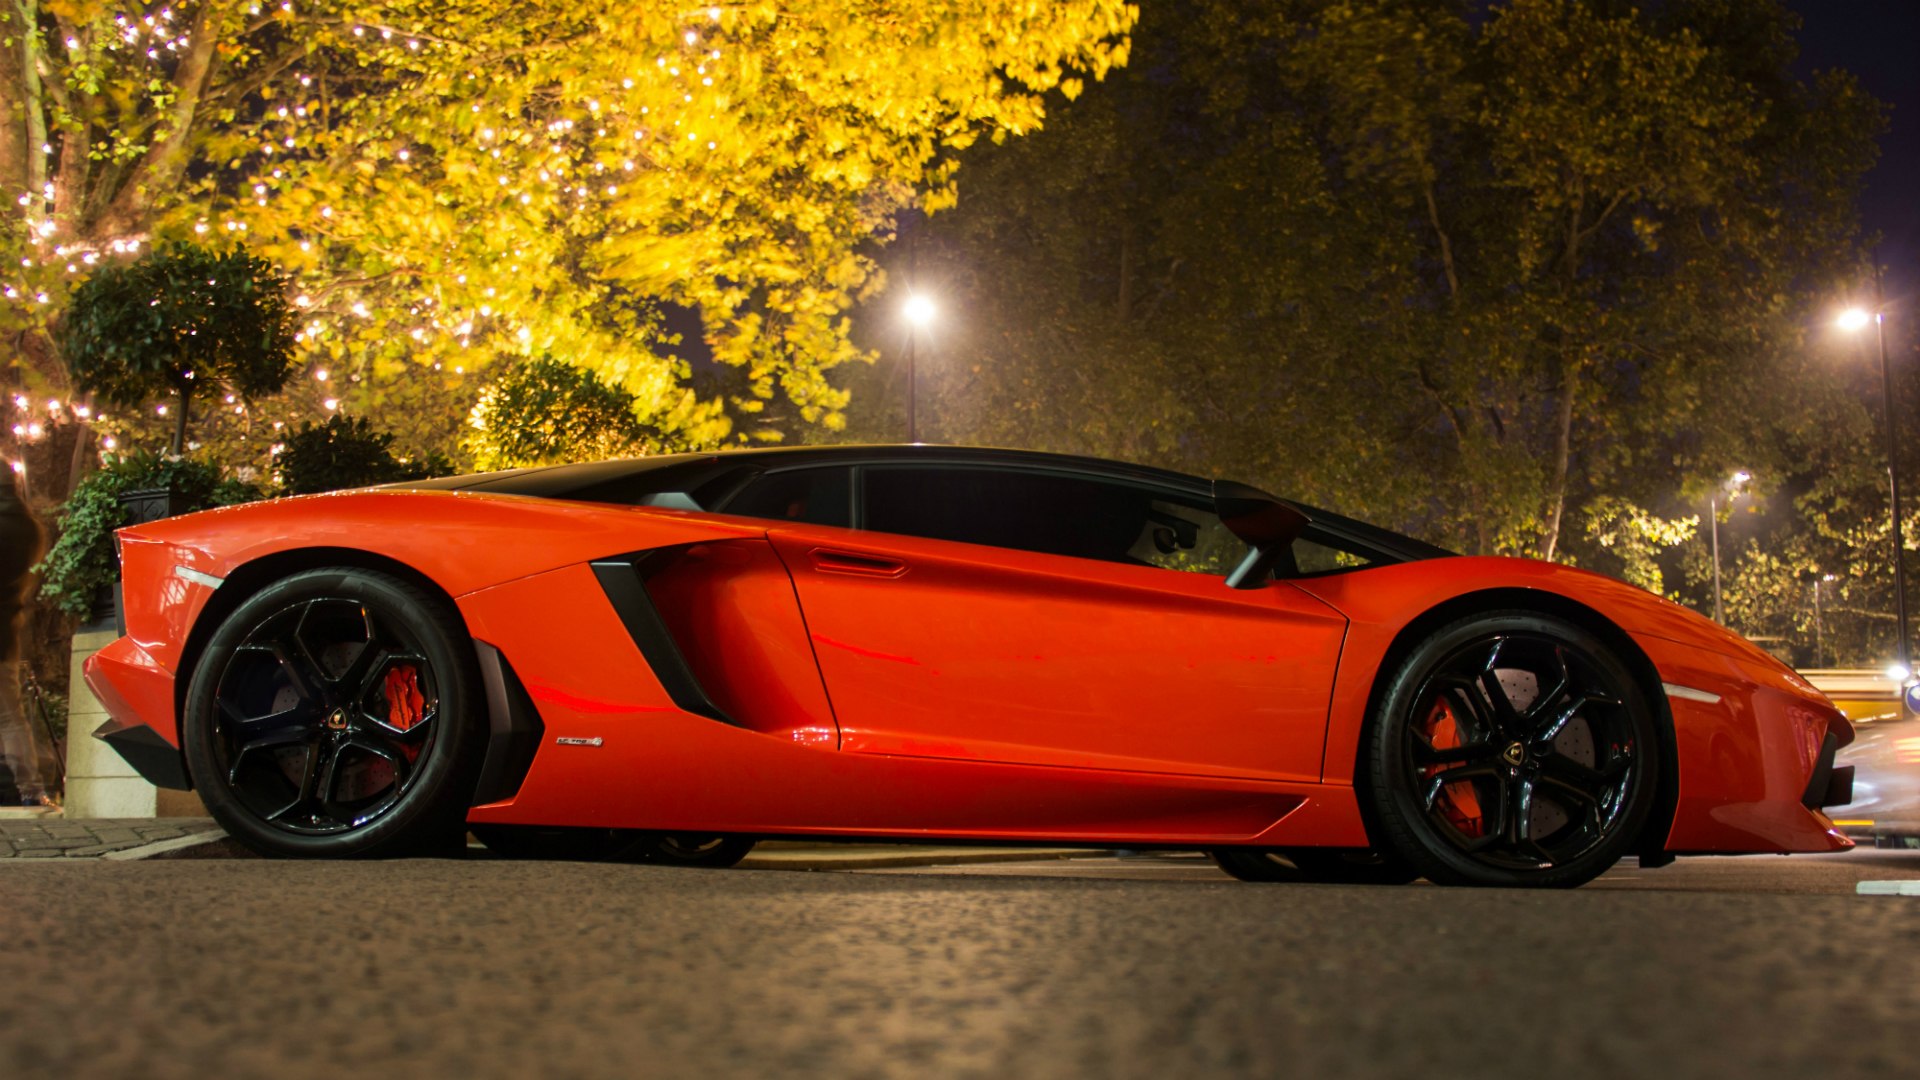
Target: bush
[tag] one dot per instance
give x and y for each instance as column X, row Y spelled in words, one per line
column 184, row 319
column 83, row 561
column 346, row 453
column 548, row 412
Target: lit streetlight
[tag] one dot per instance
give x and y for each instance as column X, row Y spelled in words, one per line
column 1855, row 320
column 1734, row 483
column 919, row 312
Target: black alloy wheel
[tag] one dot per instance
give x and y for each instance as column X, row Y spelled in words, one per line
column 1331, row 866
column 332, row 715
column 1512, row 749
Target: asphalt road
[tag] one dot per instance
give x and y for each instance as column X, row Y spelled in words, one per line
column 1133, row 967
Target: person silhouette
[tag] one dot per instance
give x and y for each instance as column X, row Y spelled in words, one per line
column 23, row 752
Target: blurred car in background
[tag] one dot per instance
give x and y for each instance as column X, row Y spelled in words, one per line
column 1885, row 756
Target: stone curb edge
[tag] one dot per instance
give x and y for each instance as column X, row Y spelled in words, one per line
column 163, row 847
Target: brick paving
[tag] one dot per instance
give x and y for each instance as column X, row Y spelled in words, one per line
column 57, row 838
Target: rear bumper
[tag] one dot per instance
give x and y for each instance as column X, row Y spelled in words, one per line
column 138, row 696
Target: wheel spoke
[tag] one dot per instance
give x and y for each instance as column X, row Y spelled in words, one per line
column 276, row 729
column 401, row 775
column 1519, row 813
column 1462, row 695
column 1441, row 780
column 1558, row 722
column 1569, row 775
column 1425, row 753
column 1506, row 720
column 300, row 670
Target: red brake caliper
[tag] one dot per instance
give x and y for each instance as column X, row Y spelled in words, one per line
column 405, row 704
column 1458, row 802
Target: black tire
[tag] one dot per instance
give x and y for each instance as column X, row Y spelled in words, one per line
column 1525, row 713
column 1318, row 865
column 682, row 849
column 338, row 713
column 539, row 842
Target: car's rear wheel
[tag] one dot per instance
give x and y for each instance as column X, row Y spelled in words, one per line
column 683, row 849
column 336, row 713
column 1511, row 748
column 1322, row 865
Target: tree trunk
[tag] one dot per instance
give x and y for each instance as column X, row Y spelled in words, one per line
column 33, row 157
column 13, row 109
column 1562, row 460
column 180, row 421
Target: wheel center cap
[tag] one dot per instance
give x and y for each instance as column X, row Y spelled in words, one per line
column 1514, row 754
column 337, row 720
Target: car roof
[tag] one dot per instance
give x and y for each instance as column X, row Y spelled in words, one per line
column 550, row 479
column 680, row 479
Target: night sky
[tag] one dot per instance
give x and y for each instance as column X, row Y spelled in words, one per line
column 1878, row 40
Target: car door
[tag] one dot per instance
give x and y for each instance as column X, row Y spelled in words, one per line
column 1030, row 616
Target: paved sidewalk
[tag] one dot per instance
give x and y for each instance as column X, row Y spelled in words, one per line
column 53, row 837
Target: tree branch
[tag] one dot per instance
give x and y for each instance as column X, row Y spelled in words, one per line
column 165, row 161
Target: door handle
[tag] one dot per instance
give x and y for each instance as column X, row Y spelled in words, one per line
column 831, row 561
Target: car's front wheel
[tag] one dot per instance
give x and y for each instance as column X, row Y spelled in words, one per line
column 1511, row 748
column 336, row 713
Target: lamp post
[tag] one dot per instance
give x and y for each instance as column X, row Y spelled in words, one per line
column 1713, row 515
column 1855, row 320
column 1819, row 629
column 919, row 312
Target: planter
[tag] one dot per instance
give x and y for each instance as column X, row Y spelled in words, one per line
column 152, row 504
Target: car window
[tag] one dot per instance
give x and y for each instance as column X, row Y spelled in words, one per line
column 815, row 496
column 1317, row 557
column 1049, row 513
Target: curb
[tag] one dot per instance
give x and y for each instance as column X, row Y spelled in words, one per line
column 165, row 848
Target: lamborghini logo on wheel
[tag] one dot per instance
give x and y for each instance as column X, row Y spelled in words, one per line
column 1514, row 754
column 337, row 720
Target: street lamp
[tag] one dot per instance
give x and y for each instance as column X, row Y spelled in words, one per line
column 919, row 312
column 1855, row 320
column 1733, row 486
column 1819, row 630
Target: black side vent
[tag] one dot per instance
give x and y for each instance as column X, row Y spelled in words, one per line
column 514, row 729
column 626, row 589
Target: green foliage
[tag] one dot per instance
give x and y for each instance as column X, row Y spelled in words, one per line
column 1490, row 276
column 549, row 412
column 1631, row 541
column 182, row 319
column 342, row 453
column 83, row 561
column 455, row 185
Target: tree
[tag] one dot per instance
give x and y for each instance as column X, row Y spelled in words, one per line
column 344, row 452
column 1519, row 281
column 727, row 159
column 548, row 413
column 452, row 181
column 183, row 320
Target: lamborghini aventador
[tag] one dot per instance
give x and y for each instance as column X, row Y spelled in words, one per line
column 669, row 658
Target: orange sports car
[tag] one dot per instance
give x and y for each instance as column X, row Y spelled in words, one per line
column 672, row 657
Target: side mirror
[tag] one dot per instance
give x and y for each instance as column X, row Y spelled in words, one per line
column 1267, row 526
